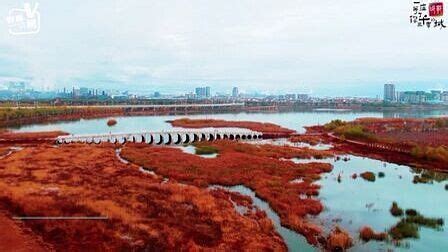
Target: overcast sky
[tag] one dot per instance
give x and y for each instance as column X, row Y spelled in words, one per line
column 323, row 47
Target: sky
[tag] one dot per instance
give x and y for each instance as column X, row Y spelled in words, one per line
column 325, row 47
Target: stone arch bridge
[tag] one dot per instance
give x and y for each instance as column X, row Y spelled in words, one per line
column 163, row 137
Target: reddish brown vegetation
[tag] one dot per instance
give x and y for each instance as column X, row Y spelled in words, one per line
column 143, row 213
column 30, row 135
column 111, row 122
column 310, row 139
column 339, row 240
column 29, row 138
column 367, row 233
column 255, row 166
column 4, row 151
column 369, row 176
column 268, row 129
column 15, row 237
column 414, row 142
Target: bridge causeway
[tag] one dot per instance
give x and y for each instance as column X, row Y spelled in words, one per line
column 167, row 137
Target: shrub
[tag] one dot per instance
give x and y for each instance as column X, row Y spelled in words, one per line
column 408, row 227
column 111, row 122
column 395, row 210
column 381, row 174
column 420, row 179
column 431, row 153
column 369, row 176
column 354, row 132
column 446, row 187
column 205, row 150
column 404, row 230
column 411, row 212
column 367, row 234
column 334, row 124
column 425, row 221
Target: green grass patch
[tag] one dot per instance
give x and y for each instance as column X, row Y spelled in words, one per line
column 403, row 230
column 205, row 150
column 421, row 220
column 408, row 226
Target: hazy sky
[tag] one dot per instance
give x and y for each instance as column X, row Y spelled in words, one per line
column 323, row 47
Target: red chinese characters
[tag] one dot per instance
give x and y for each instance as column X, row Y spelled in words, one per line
column 436, row 9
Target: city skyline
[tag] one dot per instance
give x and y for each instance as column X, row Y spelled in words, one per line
column 314, row 48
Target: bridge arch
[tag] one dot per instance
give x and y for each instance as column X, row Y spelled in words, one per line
column 169, row 139
column 195, row 138
column 122, row 140
column 186, row 140
column 160, row 141
column 179, row 139
column 149, row 139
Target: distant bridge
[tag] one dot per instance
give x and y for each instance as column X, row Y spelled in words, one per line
column 163, row 137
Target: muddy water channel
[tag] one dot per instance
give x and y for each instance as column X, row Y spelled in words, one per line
column 353, row 203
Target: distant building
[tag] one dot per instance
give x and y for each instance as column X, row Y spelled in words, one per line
column 302, row 97
column 290, row 96
column 84, row 92
column 389, row 93
column 157, row 94
column 235, row 92
column 414, row 97
column 436, row 95
column 444, row 97
column 203, row 92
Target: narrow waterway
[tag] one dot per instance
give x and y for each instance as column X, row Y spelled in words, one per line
column 294, row 241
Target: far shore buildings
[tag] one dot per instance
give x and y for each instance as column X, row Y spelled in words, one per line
column 414, row 97
column 235, row 92
column 203, row 92
column 389, row 92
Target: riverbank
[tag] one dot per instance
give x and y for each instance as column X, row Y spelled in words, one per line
column 413, row 142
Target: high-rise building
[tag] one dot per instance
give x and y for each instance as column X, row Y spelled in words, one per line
column 235, row 92
column 389, row 92
column 198, row 92
column 302, row 97
column 203, row 92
